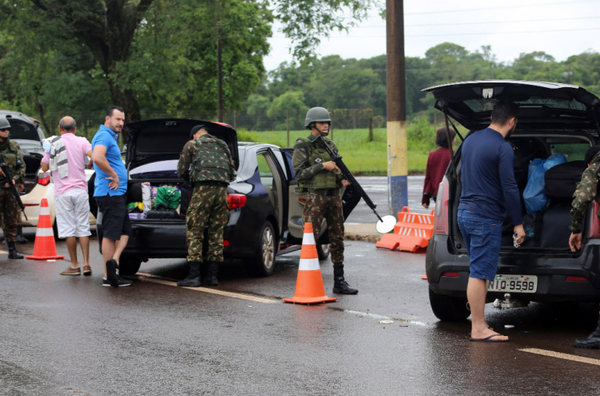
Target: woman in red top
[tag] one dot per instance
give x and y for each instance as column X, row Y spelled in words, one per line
column 436, row 166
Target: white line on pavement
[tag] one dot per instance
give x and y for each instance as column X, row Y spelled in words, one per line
column 560, row 355
column 151, row 278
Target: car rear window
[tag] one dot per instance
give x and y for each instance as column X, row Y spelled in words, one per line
column 481, row 104
column 573, row 151
column 23, row 130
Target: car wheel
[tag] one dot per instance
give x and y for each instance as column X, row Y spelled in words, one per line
column 323, row 250
column 263, row 263
column 448, row 308
column 129, row 265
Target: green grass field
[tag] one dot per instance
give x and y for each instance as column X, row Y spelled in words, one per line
column 360, row 156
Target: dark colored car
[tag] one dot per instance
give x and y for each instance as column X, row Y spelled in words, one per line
column 265, row 205
column 553, row 118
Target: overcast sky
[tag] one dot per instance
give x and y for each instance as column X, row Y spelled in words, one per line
column 560, row 28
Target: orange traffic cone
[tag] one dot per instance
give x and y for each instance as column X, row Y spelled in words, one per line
column 309, row 284
column 44, row 247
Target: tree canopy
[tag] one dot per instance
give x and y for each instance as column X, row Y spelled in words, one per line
column 150, row 54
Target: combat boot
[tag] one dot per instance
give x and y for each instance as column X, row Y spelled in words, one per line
column 211, row 274
column 592, row 341
column 12, row 251
column 340, row 286
column 193, row 279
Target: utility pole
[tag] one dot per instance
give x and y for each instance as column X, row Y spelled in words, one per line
column 219, row 66
column 396, row 105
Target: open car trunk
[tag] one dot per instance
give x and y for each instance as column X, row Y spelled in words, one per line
column 553, row 119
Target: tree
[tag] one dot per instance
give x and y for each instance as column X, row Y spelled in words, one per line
column 108, row 28
column 292, row 101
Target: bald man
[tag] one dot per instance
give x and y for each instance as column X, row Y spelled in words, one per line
column 65, row 157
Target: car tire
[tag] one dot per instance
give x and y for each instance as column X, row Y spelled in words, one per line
column 129, row 265
column 323, row 250
column 263, row 263
column 448, row 308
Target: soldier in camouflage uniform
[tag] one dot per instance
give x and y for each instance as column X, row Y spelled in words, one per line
column 320, row 176
column 10, row 154
column 587, row 190
column 207, row 165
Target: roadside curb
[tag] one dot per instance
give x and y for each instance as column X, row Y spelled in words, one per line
column 361, row 232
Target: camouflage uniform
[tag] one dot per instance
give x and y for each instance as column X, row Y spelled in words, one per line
column 587, row 190
column 206, row 163
column 10, row 213
column 322, row 203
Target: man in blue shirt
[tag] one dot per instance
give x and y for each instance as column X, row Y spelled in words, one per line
column 109, row 191
column 488, row 190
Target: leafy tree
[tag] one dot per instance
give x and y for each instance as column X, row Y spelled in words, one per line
column 292, row 101
column 108, row 29
column 258, row 107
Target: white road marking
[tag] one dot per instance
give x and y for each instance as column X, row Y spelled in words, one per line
column 560, row 355
column 151, row 278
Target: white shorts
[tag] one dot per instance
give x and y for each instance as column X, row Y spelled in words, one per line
column 73, row 213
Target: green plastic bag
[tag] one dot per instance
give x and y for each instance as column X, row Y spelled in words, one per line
column 167, row 196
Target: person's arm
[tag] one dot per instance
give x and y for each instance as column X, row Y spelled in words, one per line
column 510, row 189
column 185, row 159
column 100, row 160
column 301, row 162
column 45, row 162
column 583, row 195
column 426, row 184
column 89, row 155
column 19, row 178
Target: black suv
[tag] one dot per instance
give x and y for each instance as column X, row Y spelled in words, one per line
column 553, row 118
column 265, row 206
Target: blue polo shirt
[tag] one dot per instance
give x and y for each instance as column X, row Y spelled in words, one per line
column 488, row 178
column 107, row 138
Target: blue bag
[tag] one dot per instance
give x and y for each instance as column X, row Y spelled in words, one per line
column 534, row 195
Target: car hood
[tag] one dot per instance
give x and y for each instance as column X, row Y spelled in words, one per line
column 163, row 139
column 542, row 105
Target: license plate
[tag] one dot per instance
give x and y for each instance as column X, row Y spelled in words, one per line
column 514, row 283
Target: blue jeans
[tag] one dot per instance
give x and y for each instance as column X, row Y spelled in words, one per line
column 483, row 237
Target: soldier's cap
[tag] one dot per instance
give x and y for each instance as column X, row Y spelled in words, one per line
column 591, row 154
column 196, row 129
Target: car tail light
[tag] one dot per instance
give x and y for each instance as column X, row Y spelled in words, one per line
column 236, row 200
column 594, row 230
column 44, row 180
column 575, row 279
column 450, row 274
column 441, row 209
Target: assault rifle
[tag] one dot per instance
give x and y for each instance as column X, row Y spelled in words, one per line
column 347, row 174
column 12, row 186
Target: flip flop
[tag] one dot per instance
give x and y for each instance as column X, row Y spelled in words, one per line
column 488, row 338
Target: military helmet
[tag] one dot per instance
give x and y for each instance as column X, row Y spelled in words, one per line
column 316, row 114
column 4, row 124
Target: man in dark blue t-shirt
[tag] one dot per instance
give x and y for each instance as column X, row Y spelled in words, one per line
column 488, row 191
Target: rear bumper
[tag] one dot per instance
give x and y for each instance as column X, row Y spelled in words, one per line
column 552, row 270
column 167, row 239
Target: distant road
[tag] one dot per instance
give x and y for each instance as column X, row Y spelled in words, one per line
column 377, row 189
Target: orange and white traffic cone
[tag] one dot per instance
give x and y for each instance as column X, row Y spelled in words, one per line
column 44, row 247
column 309, row 284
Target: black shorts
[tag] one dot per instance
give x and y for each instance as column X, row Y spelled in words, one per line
column 115, row 217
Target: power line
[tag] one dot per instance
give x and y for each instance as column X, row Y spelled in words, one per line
column 463, row 34
column 481, row 23
column 501, row 7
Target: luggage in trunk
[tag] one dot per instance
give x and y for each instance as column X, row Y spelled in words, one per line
column 555, row 233
column 561, row 180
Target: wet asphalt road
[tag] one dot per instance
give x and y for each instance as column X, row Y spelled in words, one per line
column 68, row 335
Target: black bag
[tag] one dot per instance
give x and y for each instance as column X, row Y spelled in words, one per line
column 561, row 180
column 555, row 231
column 162, row 214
